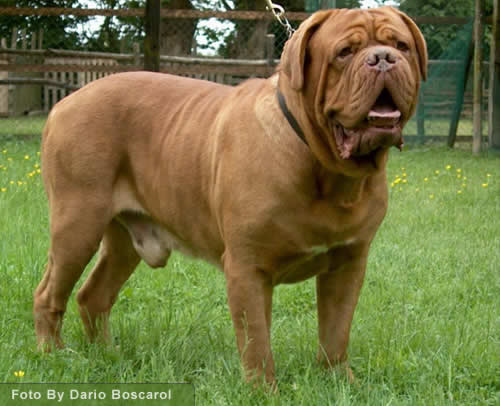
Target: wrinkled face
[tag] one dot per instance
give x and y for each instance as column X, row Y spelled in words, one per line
column 360, row 79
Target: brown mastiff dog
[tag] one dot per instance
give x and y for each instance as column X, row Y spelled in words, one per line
column 274, row 181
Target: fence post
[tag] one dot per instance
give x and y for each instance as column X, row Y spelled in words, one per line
column 13, row 42
column 24, row 38
column 477, row 134
column 494, row 87
column 459, row 101
column 152, row 39
column 33, row 40
column 421, row 116
column 270, row 39
column 40, row 38
column 137, row 53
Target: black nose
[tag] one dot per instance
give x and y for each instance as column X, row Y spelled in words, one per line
column 381, row 59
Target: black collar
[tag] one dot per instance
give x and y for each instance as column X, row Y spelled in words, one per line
column 289, row 116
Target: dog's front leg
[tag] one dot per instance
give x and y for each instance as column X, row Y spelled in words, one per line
column 250, row 300
column 337, row 295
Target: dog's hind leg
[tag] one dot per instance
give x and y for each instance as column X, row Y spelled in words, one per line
column 117, row 260
column 75, row 235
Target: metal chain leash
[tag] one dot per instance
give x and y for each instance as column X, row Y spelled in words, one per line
column 279, row 13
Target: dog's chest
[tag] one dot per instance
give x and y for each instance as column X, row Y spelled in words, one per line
column 316, row 260
column 326, row 237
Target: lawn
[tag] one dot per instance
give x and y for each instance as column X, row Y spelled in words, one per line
column 426, row 331
column 22, row 125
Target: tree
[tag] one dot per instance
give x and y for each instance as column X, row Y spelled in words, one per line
column 439, row 37
column 176, row 34
column 248, row 39
column 58, row 31
column 107, row 37
column 116, row 34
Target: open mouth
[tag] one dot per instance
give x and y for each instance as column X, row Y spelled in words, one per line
column 381, row 128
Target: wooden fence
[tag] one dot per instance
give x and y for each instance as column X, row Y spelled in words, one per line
column 62, row 71
column 58, row 72
column 55, row 92
column 39, row 89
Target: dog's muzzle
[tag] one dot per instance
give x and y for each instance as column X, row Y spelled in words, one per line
column 381, row 128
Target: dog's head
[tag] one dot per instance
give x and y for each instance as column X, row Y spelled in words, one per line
column 357, row 75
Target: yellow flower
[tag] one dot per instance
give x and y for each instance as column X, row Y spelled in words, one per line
column 465, row 177
column 436, row 172
column 4, row 189
column 431, row 196
column 36, row 166
column 426, row 179
column 484, row 185
column 459, row 170
column 12, row 182
column 405, row 181
column 398, row 180
column 488, row 175
column 417, row 190
column 38, row 153
column 459, row 176
column 4, row 151
column 38, row 171
column 403, row 169
column 392, row 184
column 26, row 157
column 459, row 192
column 448, row 167
column 19, row 374
column 404, row 175
column 464, row 184
column 9, row 159
column 19, row 183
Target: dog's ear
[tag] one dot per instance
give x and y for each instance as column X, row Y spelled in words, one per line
column 419, row 41
column 294, row 54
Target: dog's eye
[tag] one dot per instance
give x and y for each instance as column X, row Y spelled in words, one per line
column 345, row 52
column 402, row 46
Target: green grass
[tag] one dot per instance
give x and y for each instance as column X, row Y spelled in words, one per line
column 426, row 330
column 22, row 125
column 441, row 127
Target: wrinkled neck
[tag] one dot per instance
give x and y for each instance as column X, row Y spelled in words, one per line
column 342, row 190
column 307, row 118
